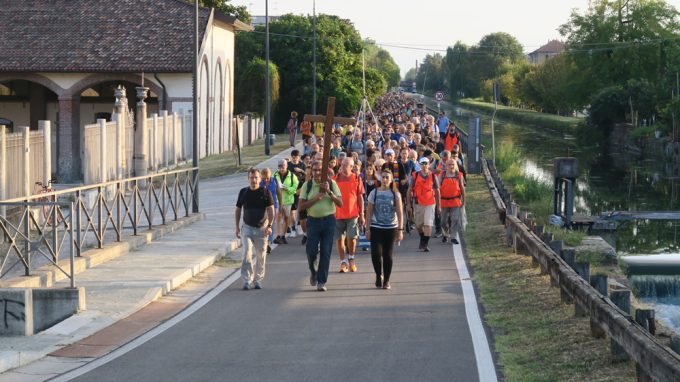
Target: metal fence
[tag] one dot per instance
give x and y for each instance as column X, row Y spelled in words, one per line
column 92, row 215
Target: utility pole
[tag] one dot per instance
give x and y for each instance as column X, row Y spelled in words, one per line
column 267, row 119
column 314, row 64
column 195, row 111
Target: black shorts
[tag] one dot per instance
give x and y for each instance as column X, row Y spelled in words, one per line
column 296, row 200
column 302, row 215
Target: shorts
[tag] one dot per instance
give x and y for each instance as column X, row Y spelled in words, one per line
column 286, row 209
column 302, row 215
column 349, row 227
column 424, row 215
column 296, row 201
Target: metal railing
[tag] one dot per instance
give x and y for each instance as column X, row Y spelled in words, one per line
column 40, row 228
column 93, row 211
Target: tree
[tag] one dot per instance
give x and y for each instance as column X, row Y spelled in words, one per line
column 339, row 74
column 240, row 11
column 553, row 86
column 381, row 60
column 430, row 76
column 410, row 75
column 251, row 86
column 457, row 70
column 489, row 58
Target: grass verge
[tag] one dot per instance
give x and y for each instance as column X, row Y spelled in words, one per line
column 522, row 116
column 225, row 163
column 536, row 336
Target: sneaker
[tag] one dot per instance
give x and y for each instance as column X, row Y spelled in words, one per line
column 288, row 231
column 293, row 233
column 304, row 239
column 378, row 281
column 454, row 241
column 246, row 286
column 437, row 234
column 321, row 288
column 298, row 229
column 283, row 240
column 312, row 280
column 343, row 267
column 278, row 240
column 445, row 239
column 257, row 285
column 269, row 249
column 386, row 285
column 352, row 265
column 426, row 249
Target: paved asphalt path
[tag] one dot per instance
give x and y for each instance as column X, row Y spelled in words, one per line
column 290, row 332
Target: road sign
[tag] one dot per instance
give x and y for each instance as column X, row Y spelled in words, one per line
column 439, row 96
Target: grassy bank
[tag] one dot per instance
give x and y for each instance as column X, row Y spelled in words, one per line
column 225, row 163
column 521, row 115
column 536, row 336
column 530, row 193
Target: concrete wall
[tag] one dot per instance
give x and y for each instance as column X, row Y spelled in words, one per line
column 25, row 312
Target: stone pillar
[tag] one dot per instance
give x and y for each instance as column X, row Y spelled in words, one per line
column 68, row 156
column 121, row 119
column 141, row 139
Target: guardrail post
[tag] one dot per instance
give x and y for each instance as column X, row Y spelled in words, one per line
column 72, row 249
column 675, row 343
column 79, row 206
column 150, row 190
column 119, row 219
column 27, row 242
column 582, row 268
column 620, row 298
column 600, row 283
column 569, row 256
column 556, row 246
column 135, row 194
column 645, row 317
column 100, row 217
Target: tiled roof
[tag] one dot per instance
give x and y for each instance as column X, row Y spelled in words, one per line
column 99, row 35
column 554, row 46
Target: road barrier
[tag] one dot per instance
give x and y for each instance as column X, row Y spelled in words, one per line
column 632, row 338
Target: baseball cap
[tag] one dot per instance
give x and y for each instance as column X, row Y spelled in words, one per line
column 424, row 160
column 389, row 151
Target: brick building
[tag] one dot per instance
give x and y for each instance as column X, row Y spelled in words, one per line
column 61, row 60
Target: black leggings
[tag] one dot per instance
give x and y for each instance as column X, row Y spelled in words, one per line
column 382, row 243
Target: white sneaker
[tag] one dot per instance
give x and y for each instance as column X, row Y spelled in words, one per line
column 298, row 229
column 293, row 233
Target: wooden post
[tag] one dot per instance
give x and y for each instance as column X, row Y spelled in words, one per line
column 102, row 151
column 556, row 246
column 620, row 298
column 26, row 170
column 569, row 256
column 46, row 128
column 600, row 283
column 583, row 270
column 645, row 317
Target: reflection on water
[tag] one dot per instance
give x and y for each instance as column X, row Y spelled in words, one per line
column 607, row 182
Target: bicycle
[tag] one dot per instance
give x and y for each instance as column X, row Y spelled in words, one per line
column 47, row 210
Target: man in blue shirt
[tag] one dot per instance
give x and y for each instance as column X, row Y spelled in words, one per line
column 443, row 124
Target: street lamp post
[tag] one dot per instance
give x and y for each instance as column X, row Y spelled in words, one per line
column 267, row 119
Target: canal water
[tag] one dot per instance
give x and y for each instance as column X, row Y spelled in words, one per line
column 608, row 181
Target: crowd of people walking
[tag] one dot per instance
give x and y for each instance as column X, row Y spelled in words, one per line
column 398, row 170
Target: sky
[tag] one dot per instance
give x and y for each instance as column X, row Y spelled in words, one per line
column 430, row 26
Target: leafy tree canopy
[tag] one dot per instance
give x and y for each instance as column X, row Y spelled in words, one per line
column 224, row 6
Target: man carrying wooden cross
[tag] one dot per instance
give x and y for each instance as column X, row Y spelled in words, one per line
column 320, row 196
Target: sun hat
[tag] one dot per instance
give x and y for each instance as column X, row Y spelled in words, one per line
column 424, row 160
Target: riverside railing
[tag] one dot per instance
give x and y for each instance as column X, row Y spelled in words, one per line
column 609, row 311
column 98, row 213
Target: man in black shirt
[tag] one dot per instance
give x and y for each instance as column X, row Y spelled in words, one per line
column 258, row 214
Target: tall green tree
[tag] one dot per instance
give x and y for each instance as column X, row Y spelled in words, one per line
column 457, row 70
column 381, row 60
column 251, row 86
column 339, row 74
column 224, row 6
column 430, row 76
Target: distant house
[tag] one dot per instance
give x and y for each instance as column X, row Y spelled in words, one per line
column 551, row 49
column 62, row 60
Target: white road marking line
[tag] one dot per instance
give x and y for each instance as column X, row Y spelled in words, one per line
column 191, row 309
column 485, row 365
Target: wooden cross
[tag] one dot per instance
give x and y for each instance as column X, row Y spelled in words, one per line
column 329, row 119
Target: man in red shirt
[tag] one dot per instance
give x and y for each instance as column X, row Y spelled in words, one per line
column 350, row 216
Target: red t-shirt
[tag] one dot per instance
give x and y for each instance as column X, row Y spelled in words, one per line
column 351, row 189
